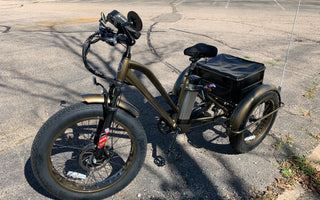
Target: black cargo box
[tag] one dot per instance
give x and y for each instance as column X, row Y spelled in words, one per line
column 234, row 77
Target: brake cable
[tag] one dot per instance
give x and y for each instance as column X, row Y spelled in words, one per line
column 85, row 50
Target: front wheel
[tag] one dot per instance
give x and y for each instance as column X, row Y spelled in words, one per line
column 63, row 153
column 255, row 129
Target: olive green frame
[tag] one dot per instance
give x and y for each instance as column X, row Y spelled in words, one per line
column 125, row 74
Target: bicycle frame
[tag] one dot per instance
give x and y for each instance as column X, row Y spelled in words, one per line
column 125, row 74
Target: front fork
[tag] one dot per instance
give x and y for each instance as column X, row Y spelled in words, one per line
column 109, row 110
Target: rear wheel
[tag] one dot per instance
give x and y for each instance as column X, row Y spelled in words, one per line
column 255, row 129
column 63, row 153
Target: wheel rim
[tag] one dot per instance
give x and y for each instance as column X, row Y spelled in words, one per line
column 70, row 157
column 255, row 132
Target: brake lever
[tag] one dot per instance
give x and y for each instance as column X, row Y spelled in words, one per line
column 104, row 28
column 110, row 40
column 107, row 34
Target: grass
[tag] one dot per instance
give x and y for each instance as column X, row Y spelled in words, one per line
column 310, row 92
column 286, row 170
column 295, row 161
column 284, row 140
column 305, row 113
column 270, row 63
column 313, row 134
column 298, row 169
column 295, row 170
column 304, row 165
column 278, row 59
column 274, row 62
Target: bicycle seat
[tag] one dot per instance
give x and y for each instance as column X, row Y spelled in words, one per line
column 201, row 50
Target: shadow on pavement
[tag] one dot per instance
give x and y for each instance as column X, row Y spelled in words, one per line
column 187, row 169
column 32, row 181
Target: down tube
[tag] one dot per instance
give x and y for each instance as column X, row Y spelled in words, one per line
column 138, row 67
column 132, row 79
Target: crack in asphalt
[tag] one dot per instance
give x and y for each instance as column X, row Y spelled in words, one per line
column 154, row 51
column 165, row 18
column 203, row 35
column 174, row 17
column 6, row 28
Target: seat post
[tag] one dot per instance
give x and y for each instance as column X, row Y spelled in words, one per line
column 194, row 59
column 193, row 64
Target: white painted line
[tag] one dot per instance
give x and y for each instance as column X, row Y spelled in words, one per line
column 180, row 2
column 279, row 4
column 228, row 3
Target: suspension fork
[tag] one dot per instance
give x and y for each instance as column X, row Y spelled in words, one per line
column 103, row 129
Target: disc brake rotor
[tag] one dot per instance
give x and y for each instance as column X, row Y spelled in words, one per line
column 87, row 160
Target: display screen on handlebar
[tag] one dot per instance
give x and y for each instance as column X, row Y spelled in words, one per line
column 116, row 19
column 130, row 26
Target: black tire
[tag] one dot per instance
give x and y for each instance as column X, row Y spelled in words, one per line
column 253, row 136
column 179, row 81
column 62, row 153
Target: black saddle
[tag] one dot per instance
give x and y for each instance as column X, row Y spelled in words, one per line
column 201, row 50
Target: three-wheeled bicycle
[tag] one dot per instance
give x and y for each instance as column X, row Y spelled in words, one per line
column 93, row 149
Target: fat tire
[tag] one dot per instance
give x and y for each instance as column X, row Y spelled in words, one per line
column 237, row 141
column 59, row 121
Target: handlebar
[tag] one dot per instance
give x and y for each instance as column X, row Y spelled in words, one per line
column 127, row 29
column 107, row 35
column 127, row 33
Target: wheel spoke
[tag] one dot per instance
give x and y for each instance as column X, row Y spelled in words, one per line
column 256, row 131
column 67, row 147
column 73, row 151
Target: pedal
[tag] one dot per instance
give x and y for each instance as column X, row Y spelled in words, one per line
column 159, row 161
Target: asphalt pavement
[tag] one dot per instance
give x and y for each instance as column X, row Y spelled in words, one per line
column 42, row 71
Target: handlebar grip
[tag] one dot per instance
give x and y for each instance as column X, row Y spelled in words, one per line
column 108, row 38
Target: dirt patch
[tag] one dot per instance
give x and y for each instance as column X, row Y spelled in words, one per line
column 62, row 22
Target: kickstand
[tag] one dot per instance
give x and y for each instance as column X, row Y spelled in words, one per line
column 172, row 151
